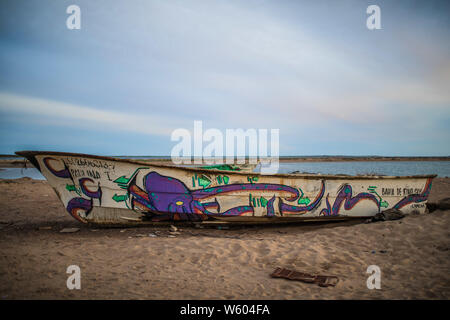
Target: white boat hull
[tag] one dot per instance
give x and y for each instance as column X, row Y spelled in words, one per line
column 104, row 190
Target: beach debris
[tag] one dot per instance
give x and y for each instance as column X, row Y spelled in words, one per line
column 222, row 227
column 173, row 228
column 69, row 230
column 326, row 266
column 171, row 236
column 141, row 235
column 431, row 206
column 45, row 228
column 442, row 247
column 131, row 219
column 5, row 224
column 443, row 204
column 199, row 226
column 380, row 251
column 174, row 233
column 387, row 215
column 321, row 280
column 302, row 172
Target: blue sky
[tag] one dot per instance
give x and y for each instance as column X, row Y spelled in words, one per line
column 137, row 70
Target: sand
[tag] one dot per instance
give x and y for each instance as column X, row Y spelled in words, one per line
column 412, row 253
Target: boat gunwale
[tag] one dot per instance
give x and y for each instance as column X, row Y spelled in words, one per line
column 27, row 154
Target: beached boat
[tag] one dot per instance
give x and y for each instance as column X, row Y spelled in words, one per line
column 104, row 190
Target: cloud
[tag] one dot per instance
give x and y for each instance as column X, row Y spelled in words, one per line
column 61, row 113
column 316, row 73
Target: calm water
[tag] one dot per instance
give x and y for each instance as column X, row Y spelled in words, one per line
column 391, row 168
column 15, row 173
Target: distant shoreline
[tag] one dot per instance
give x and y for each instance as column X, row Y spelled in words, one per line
column 19, row 162
column 358, row 158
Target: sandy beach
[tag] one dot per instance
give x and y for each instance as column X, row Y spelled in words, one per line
column 211, row 263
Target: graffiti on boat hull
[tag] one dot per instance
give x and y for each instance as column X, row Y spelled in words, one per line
column 175, row 200
column 415, row 198
column 157, row 196
column 77, row 207
column 293, row 209
column 345, row 198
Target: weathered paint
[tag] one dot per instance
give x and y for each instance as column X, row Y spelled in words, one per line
column 115, row 191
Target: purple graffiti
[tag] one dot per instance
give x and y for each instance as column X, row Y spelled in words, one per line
column 77, row 204
column 64, row 173
column 210, row 192
column 169, row 198
column 345, row 197
column 287, row 208
column 415, row 198
column 270, row 209
column 92, row 194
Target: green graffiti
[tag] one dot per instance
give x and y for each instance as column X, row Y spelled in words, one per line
column 222, row 179
column 124, row 181
column 72, row 187
column 383, row 203
column 264, row 202
column 258, row 202
column 302, row 200
column 120, row 198
column 252, row 179
column 225, row 167
column 204, row 181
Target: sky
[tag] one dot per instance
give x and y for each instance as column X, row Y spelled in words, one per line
column 138, row 70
